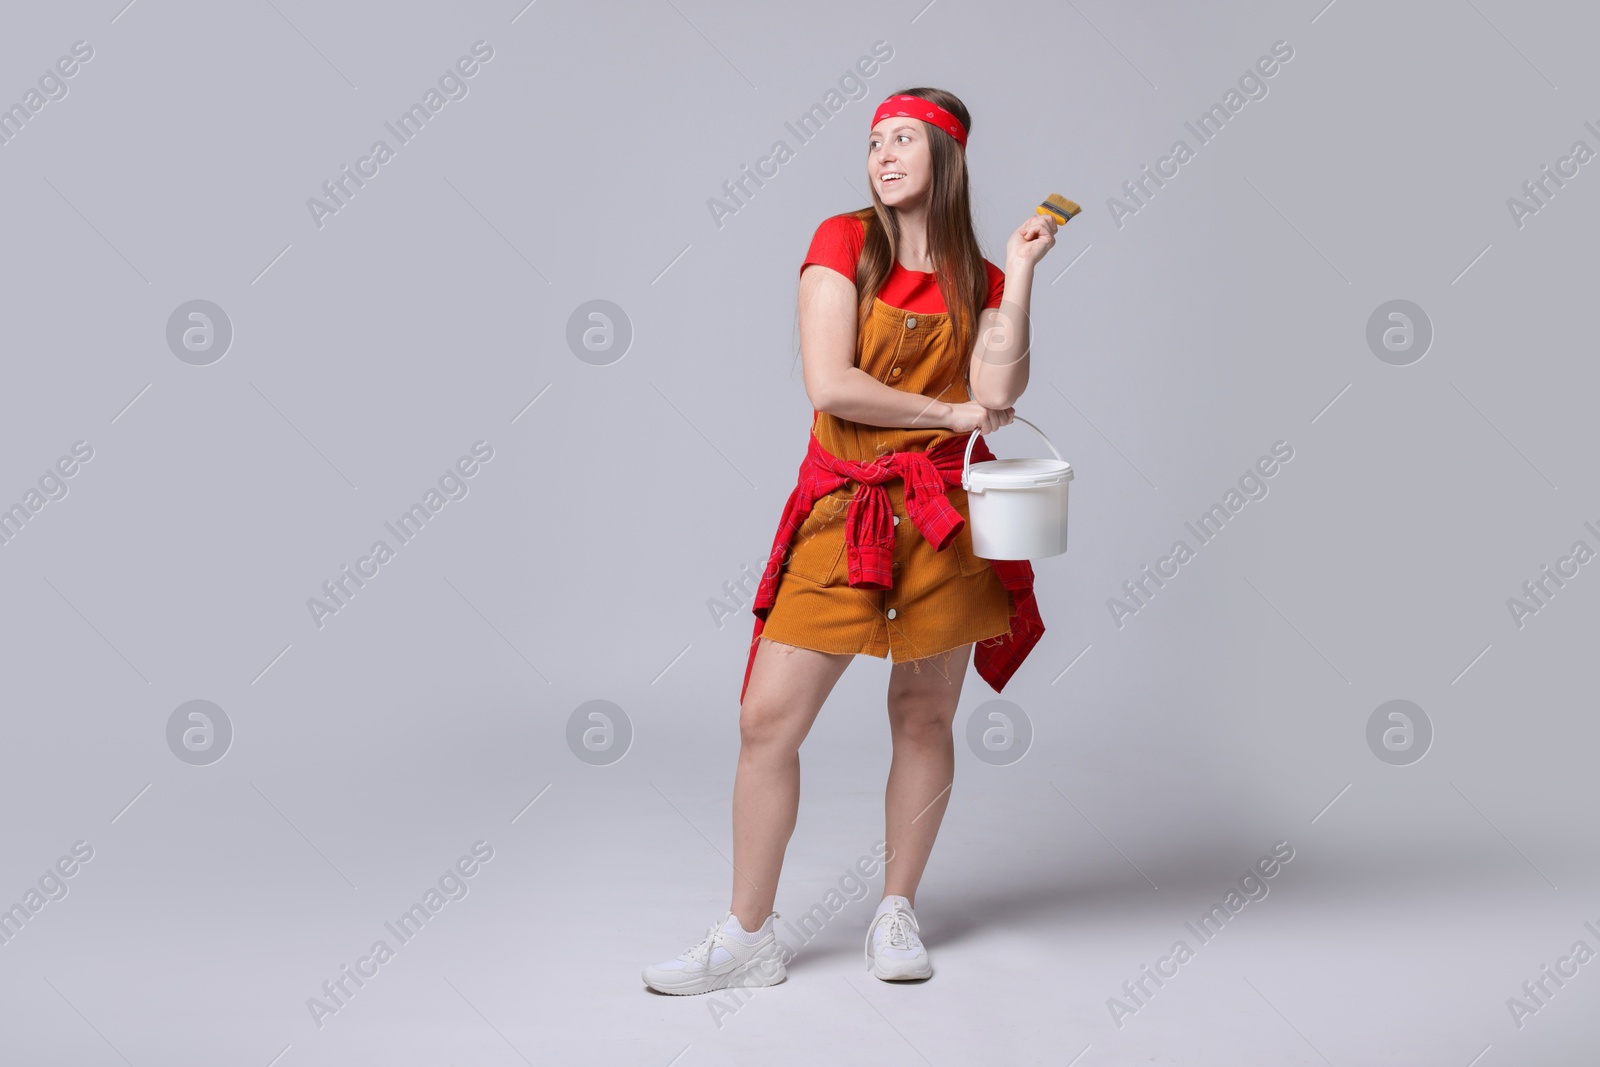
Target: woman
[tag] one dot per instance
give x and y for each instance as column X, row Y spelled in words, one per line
column 899, row 383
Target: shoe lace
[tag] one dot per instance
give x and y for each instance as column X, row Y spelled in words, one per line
column 701, row 952
column 899, row 923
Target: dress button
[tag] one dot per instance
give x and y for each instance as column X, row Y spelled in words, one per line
column 891, row 613
column 911, row 323
column 897, row 520
column 895, row 372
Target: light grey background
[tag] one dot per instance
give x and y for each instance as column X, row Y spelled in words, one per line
column 433, row 710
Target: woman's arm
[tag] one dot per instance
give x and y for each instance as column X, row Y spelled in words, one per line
column 828, row 353
column 998, row 372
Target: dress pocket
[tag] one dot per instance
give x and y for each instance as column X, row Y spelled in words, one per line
column 966, row 559
column 818, row 544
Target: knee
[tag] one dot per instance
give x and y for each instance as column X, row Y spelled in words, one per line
column 920, row 719
column 763, row 727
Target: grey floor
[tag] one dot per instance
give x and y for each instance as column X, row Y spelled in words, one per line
column 1395, row 933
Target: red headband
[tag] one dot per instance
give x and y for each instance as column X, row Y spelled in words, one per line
column 917, row 108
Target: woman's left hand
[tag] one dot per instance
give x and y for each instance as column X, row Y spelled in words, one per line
column 1032, row 240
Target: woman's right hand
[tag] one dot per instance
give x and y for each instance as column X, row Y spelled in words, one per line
column 964, row 418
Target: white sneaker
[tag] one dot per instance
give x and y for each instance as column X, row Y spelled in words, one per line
column 719, row 961
column 893, row 949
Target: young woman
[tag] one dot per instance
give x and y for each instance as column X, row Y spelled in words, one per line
column 911, row 340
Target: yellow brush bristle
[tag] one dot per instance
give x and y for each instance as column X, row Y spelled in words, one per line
column 1058, row 206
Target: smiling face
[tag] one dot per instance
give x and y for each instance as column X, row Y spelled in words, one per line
column 899, row 162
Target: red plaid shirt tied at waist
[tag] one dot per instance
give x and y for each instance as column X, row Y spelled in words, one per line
column 869, row 538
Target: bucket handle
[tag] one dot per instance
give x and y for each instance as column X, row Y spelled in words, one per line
column 966, row 460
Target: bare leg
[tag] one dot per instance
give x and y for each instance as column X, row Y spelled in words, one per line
column 788, row 686
column 922, row 706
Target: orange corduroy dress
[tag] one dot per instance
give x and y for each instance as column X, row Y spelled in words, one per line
column 939, row 600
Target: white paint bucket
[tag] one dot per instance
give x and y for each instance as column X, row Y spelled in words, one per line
column 1017, row 508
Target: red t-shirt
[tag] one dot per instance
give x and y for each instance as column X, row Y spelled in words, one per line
column 838, row 243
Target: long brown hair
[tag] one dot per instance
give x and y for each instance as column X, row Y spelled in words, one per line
column 952, row 245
